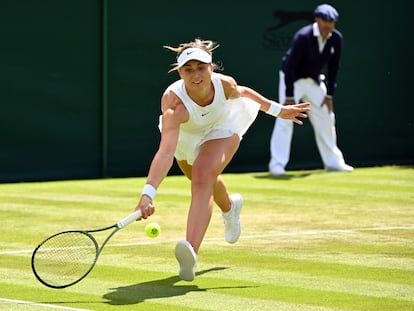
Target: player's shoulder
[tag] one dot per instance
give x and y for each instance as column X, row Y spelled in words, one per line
column 173, row 108
column 170, row 100
column 226, row 80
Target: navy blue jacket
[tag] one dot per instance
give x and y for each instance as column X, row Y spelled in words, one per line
column 303, row 59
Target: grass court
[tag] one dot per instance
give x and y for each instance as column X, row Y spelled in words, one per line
column 310, row 241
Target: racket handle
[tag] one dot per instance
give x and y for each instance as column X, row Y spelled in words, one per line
column 130, row 218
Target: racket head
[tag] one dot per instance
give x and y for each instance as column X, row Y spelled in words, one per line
column 65, row 258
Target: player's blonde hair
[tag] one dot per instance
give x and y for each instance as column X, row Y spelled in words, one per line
column 206, row 45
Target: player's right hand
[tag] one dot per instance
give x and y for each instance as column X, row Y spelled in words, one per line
column 146, row 207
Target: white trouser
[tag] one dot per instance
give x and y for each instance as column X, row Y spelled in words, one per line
column 322, row 120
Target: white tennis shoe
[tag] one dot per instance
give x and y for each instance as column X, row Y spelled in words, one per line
column 231, row 219
column 277, row 170
column 187, row 259
column 341, row 168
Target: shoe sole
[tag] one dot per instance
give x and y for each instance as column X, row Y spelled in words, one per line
column 187, row 260
column 333, row 170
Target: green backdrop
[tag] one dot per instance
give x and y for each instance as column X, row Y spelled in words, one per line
column 81, row 81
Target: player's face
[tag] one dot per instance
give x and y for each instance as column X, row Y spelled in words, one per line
column 325, row 26
column 196, row 74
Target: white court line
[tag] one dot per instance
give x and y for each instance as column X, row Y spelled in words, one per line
column 38, row 304
column 266, row 235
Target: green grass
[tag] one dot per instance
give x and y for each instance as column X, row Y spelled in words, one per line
column 310, row 241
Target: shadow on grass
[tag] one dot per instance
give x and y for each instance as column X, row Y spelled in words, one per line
column 405, row 167
column 137, row 293
column 290, row 175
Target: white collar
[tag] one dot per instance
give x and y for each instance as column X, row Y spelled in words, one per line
column 317, row 33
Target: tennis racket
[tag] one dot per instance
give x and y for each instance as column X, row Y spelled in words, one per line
column 65, row 258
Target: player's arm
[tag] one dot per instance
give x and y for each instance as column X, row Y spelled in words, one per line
column 232, row 91
column 174, row 113
column 290, row 112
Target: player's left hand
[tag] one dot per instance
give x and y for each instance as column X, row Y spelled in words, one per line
column 292, row 112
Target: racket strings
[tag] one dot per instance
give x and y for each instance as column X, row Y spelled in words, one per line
column 65, row 258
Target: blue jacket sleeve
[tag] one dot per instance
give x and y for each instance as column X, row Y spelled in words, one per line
column 333, row 65
column 292, row 61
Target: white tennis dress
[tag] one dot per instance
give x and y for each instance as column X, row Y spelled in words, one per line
column 222, row 118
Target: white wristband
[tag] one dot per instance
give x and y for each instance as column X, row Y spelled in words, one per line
column 274, row 109
column 149, row 190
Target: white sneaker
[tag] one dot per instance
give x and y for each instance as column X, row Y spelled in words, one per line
column 342, row 168
column 232, row 226
column 187, row 259
column 277, row 170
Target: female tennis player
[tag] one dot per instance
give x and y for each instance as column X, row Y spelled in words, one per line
column 204, row 117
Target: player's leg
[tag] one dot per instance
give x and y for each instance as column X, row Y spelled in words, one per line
column 213, row 157
column 184, row 251
column 185, row 168
column 229, row 204
column 220, row 193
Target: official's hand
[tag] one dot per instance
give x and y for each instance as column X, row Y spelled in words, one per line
column 329, row 103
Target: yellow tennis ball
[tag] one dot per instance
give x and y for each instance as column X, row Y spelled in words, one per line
column 152, row 229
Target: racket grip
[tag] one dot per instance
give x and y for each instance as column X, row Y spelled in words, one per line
column 130, row 218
